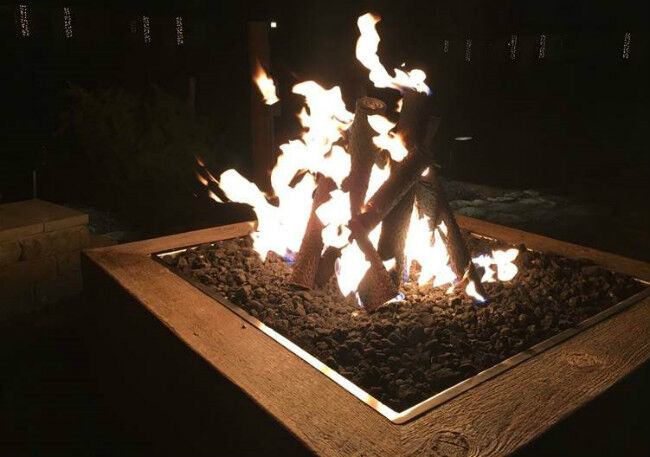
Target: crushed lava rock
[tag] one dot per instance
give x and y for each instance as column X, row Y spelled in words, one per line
column 406, row 351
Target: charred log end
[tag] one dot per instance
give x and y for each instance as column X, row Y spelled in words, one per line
column 326, row 266
column 308, row 258
column 376, row 286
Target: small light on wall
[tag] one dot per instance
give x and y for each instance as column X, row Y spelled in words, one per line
column 274, row 25
column 626, row 45
column 180, row 36
column 463, row 138
column 468, row 50
column 445, row 46
column 542, row 47
column 146, row 31
column 67, row 22
column 24, row 21
column 513, row 47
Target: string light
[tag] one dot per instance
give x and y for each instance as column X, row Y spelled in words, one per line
column 542, row 47
column 146, row 31
column 274, row 25
column 468, row 50
column 180, row 39
column 67, row 22
column 445, row 46
column 626, row 45
column 24, row 21
column 513, row 47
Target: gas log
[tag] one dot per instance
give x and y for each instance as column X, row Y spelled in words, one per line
column 376, row 286
column 308, row 258
column 414, row 131
column 327, row 265
column 363, row 152
column 436, row 207
column 402, row 178
column 398, row 191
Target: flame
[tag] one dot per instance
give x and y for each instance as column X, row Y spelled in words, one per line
column 398, row 106
column 214, row 196
column 352, row 264
column 201, row 178
column 281, row 228
column 471, row 291
column 428, row 250
column 502, row 260
column 366, row 53
column 265, row 84
column 320, row 150
column 387, row 140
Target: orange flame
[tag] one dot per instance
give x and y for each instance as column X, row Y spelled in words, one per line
column 320, row 149
column 366, row 53
column 266, row 85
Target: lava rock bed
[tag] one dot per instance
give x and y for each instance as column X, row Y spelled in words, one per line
column 408, row 350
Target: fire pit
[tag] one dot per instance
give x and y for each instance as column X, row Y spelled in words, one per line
column 492, row 413
column 357, row 265
column 422, row 348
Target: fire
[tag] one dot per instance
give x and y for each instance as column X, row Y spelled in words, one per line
column 366, row 53
column 502, row 260
column 428, row 250
column 320, row 151
column 387, row 140
column 266, row 85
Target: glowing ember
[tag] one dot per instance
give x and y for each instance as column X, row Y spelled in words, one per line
column 266, row 86
column 321, row 151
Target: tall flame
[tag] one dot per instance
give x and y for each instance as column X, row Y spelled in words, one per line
column 366, row 53
column 266, row 85
column 320, row 149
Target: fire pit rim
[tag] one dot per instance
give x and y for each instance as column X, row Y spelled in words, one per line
column 412, row 412
column 492, row 419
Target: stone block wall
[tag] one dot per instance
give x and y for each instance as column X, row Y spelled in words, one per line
column 40, row 245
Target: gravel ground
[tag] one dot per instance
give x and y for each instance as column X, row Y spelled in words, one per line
column 408, row 350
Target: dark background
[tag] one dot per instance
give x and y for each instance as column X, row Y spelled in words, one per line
column 573, row 123
column 103, row 120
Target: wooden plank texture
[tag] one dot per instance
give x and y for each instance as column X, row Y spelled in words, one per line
column 493, row 419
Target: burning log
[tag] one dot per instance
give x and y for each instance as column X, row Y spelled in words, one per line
column 326, row 265
column 376, row 286
column 404, row 174
column 309, row 255
column 459, row 256
column 390, row 193
column 413, row 123
column 394, row 229
column 414, row 132
column 362, row 150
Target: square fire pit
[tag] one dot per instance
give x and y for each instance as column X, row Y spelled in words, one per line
column 492, row 413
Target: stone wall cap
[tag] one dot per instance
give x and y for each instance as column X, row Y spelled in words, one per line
column 30, row 217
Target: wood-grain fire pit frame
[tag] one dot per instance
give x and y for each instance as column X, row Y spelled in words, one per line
column 494, row 417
